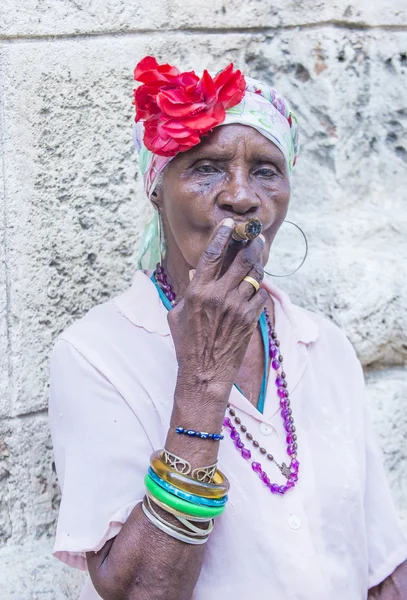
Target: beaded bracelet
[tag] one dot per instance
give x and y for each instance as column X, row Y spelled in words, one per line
column 204, row 435
column 182, row 482
column 183, row 506
column 201, row 501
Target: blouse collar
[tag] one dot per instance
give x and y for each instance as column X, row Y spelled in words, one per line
column 141, row 304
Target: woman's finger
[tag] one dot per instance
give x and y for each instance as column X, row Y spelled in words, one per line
column 250, row 283
column 248, row 258
column 257, row 303
column 211, row 261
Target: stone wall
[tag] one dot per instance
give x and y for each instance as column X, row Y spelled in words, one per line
column 72, row 205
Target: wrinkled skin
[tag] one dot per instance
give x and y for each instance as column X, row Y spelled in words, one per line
column 237, row 173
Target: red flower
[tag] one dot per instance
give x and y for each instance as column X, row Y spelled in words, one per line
column 178, row 108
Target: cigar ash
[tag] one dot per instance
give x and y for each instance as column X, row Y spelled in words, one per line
column 247, row 230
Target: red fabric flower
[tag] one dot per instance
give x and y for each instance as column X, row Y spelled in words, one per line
column 178, row 108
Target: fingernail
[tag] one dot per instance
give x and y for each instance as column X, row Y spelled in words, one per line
column 261, row 236
column 229, row 222
column 191, row 274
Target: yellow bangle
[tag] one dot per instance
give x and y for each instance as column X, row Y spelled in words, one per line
column 218, row 489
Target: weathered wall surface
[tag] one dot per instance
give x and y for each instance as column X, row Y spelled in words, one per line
column 72, row 206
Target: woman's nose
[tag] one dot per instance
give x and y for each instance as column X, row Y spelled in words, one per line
column 238, row 195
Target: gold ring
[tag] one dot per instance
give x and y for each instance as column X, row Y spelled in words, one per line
column 252, row 280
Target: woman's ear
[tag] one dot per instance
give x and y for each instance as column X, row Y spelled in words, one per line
column 153, row 200
column 156, row 205
column 156, row 197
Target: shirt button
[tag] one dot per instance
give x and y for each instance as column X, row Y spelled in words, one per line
column 265, row 429
column 294, row 522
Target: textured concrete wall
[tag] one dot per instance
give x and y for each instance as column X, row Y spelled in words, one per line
column 72, row 206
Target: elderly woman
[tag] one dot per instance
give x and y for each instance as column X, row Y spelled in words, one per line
column 211, row 438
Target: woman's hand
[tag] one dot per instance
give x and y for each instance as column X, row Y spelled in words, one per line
column 212, row 325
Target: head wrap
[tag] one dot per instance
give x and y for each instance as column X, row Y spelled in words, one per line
column 175, row 110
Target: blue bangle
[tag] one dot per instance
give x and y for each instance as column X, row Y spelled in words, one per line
column 185, row 495
column 204, row 435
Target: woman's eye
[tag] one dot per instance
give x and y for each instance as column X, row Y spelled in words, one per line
column 266, row 172
column 205, row 169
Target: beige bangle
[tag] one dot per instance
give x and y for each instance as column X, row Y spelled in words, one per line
column 189, row 525
column 171, row 532
column 193, row 532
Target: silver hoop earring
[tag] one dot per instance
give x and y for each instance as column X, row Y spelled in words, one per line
column 303, row 260
column 161, row 243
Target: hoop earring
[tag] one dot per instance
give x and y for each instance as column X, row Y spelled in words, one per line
column 305, row 255
column 161, row 242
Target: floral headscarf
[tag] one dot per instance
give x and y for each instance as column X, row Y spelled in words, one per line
column 175, row 110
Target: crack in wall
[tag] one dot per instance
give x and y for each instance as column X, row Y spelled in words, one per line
column 37, row 414
column 334, row 24
column 4, row 241
column 5, row 228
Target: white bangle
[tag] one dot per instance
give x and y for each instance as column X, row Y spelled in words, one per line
column 171, row 532
column 192, row 530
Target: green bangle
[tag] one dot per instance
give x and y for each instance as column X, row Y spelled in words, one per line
column 193, row 498
column 182, row 505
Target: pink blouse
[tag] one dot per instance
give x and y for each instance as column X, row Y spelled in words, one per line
column 334, row 535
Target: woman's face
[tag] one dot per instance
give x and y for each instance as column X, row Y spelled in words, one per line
column 234, row 172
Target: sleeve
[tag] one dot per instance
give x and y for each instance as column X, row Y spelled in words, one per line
column 101, row 454
column 387, row 546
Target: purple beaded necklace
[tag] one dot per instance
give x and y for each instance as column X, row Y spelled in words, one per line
column 290, row 472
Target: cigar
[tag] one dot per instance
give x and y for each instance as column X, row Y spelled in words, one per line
column 247, row 230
